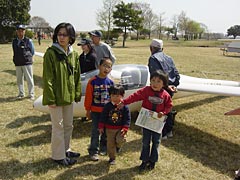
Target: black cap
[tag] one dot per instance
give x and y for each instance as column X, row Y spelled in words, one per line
column 96, row 33
column 84, row 41
column 21, row 26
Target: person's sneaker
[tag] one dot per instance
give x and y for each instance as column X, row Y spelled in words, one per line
column 103, row 153
column 151, row 165
column 20, row 97
column 143, row 166
column 66, row 162
column 237, row 178
column 164, row 137
column 94, row 157
column 112, row 161
column 31, row 98
column 72, row 154
column 170, row 134
column 237, row 173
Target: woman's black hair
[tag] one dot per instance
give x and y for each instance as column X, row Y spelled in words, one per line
column 117, row 90
column 161, row 75
column 70, row 31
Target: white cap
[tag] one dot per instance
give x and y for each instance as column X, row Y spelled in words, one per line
column 158, row 43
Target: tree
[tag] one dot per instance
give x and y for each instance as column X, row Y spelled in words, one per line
column 203, row 29
column 183, row 22
column 126, row 18
column 169, row 31
column 160, row 26
column 234, row 31
column 174, row 23
column 12, row 12
column 149, row 18
column 105, row 15
column 40, row 24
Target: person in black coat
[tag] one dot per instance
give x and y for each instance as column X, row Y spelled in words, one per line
column 88, row 57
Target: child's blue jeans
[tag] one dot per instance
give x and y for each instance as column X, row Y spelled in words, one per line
column 94, row 144
column 150, row 154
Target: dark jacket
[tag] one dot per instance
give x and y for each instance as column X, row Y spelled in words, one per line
column 22, row 52
column 160, row 61
column 87, row 62
column 113, row 118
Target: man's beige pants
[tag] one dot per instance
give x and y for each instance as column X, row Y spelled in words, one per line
column 62, row 127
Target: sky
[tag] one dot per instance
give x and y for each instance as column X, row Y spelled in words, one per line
column 217, row 15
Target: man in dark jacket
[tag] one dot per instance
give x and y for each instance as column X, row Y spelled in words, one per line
column 23, row 51
column 160, row 61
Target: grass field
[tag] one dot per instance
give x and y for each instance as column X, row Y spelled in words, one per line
column 205, row 146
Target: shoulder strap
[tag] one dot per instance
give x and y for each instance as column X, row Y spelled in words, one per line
column 62, row 57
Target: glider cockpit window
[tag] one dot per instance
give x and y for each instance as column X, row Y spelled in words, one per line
column 129, row 76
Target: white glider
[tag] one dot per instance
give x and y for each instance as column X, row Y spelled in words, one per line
column 134, row 77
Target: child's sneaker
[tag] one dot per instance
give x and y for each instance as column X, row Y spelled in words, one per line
column 164, row 137
column 170, row 134
column 143, row 166
column 103, row 153
column 112, row 161
column 151, row 165
column 94, row 157
column 237, row 177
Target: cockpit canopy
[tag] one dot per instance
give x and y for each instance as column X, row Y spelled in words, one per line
column 130, row 76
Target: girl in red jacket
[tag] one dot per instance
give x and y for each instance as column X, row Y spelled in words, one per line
column 156, row 99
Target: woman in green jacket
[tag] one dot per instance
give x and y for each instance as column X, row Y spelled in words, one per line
column 61, row 87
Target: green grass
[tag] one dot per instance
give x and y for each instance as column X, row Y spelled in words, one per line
column 205, row 145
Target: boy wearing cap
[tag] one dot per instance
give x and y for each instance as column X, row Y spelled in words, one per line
column 23, row 51
column 88, row 57
column 160, row 61
column 102, row 49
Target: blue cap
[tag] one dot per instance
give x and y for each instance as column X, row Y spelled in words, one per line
column 96, row 33
column 21, row 26
column 84, row 41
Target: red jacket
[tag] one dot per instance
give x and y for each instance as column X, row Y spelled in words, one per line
column 161, row 99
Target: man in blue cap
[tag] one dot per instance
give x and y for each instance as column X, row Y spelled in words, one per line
column 23, row 51
column 102, row 49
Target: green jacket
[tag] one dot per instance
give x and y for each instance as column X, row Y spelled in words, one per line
column 61, row 77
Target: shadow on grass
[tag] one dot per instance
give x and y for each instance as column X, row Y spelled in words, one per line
column 99, row 169
column 15, row 169
column 37, row 79
column 9, row 99
column 192, row 104
column 30, row 119
column 45, row 137
column 214, row 152
column 232, row 56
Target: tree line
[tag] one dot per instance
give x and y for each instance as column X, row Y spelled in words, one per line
column 114, row 18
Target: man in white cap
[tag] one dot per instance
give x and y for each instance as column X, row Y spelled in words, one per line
column 102, row 49
column 160, row 61
column 23, row 51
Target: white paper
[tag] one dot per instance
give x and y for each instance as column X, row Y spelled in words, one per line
column 149, row 120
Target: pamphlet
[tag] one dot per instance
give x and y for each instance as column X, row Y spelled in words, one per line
column 149, row 120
